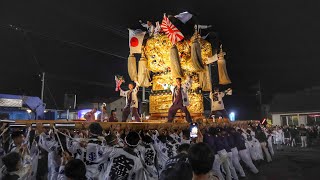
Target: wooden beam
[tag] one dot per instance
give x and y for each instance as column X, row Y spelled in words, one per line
column 151, row 124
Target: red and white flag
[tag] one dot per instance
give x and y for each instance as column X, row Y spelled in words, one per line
column 171, row 31
column 136, row 40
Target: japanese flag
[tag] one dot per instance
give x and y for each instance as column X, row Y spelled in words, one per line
column 135, row 40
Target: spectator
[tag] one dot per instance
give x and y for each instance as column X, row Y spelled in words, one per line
column 201, row 160
column 90, row 116
column 113, row 116
column 303, row 135
column 294, row 133
column 103, row 116
column 287, row 136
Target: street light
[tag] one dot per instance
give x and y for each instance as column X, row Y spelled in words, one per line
column 232, row 116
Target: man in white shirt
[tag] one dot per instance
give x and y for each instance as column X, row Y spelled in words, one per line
column 103, row 116
column 131, row 102
column 217, row 106
column 150, row 27
column 180, row 99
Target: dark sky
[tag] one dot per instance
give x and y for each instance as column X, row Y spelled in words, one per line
column 273, row 41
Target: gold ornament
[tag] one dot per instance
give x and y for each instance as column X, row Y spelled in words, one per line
column 162, row 103
column 157, row 51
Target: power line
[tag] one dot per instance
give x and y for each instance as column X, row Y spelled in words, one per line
column 109, row 28
column 94, row 21
column 64, row 78
column 63, row 41
column 54, row 101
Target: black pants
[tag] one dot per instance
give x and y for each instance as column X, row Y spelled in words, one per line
column 173, row 110
column 217, row 114
column 134, row 112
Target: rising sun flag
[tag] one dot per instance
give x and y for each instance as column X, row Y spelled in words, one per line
column 171, row 31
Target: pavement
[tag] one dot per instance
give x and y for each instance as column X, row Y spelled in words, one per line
column 293, row 163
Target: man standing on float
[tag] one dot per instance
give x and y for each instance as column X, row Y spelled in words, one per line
column 217, row 106
column 131, row 102
column 180, row 99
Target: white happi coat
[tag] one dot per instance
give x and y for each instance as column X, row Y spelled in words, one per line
column 49, row 144
column 176, row 137
column 34, row 158
column 148, row 154
column 150, row 28
column 216, row 101
column 134, row 97
column 255, row 150
column 164, row 152
column 279, row 136
column 102, row 117
column 270, row 147
column 13, row 148
column 121, row 165
column 2, row 153
column 184, row 92
column 94, row 159
column 24, row 172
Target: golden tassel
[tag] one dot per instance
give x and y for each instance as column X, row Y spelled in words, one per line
column 132, row 67
column 205, row 79
column 222, row 69
column 207, row 86
column 143, row 72
column 175, row 66
column 196, row 58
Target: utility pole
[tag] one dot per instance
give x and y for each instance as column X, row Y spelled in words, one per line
column 42, row 85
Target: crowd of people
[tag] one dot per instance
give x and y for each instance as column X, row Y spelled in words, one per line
column 220, row 151
column 295, row 135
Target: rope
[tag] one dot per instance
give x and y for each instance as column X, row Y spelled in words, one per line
column 58, row 138
column 5, row 130
column 75, row 139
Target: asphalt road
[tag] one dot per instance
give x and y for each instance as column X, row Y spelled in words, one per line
column 291, row 164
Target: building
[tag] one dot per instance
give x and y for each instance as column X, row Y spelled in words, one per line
column 302, row 107
column 114, row 103
column 20, row 107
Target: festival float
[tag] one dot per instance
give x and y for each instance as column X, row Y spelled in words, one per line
column 176, row 48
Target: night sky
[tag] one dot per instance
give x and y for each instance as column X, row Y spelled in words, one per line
column 273, row 41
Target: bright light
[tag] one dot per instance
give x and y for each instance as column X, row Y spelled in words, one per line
column 232, row 116
column 29, row 111
column 82, row 112
column 147, row 117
